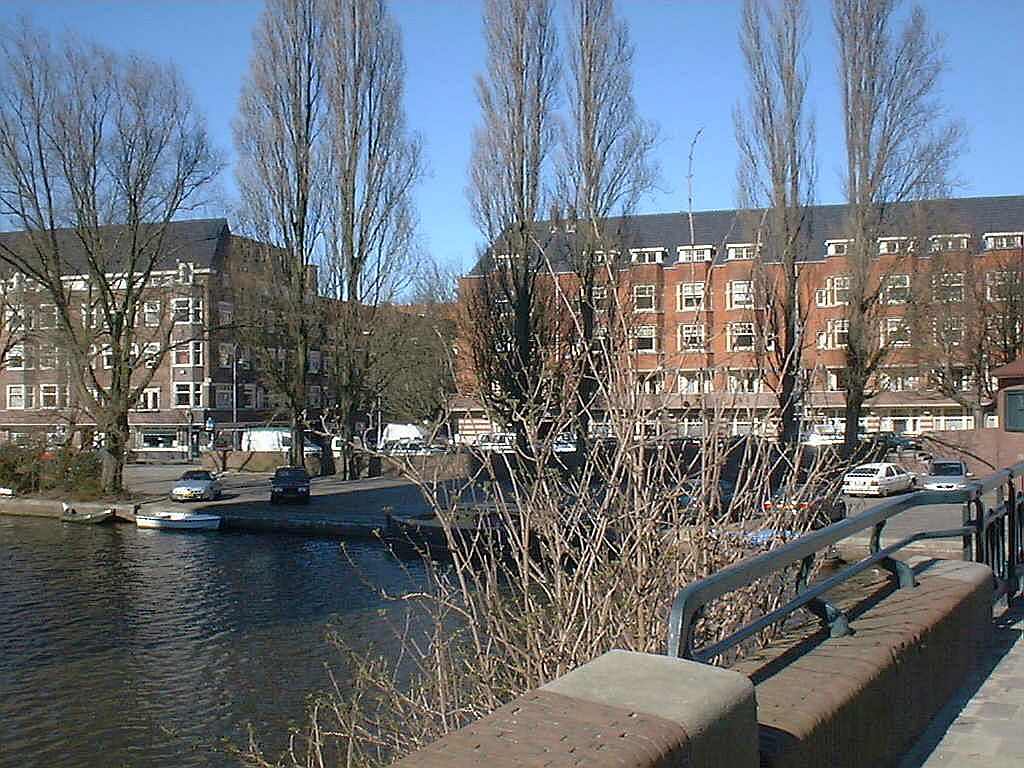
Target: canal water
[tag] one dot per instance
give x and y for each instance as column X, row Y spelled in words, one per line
column 121, row 647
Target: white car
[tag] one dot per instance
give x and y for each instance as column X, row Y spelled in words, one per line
column 879, row 479
column 196, row 484
column 946, row 475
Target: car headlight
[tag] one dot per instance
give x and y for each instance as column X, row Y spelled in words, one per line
column 278, row 489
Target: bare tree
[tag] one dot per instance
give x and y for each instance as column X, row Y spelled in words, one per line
column 898, row 149
column 375, row 163
column 511, row 302
column 283, row 175
column 110, row 149
column 776, row 141
column 605, row 168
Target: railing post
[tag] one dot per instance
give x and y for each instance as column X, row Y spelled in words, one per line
column 1013, row 540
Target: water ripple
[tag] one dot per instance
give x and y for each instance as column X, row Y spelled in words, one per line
column 121, row 647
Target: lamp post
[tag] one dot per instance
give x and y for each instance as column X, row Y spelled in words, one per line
column 234, row 390
column 188, row 434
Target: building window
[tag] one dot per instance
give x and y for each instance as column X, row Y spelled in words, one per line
column 225, row 353
column 149, row 400
column 645, row 338
column 689, row 254
column 837, row 247
column 1001, row 240
column 16, row 358
column 226, row 312
column 313, row 396
column 50, row 396
column 738, row 251
column 949, row 286
column 643, row 298
column 188, row 310
column 20, row 397
column 945, row 243
column 316, row 361
column 188, row 394
column 748, row 381
column 899, row 382
column 949, row 331
column 897, row 289
column 691, row 337
column 694, row 382
column 689, row 296
column 647, row 255
column 222, row 396
column 190, row 353
column 107, row 357
column 897, row 333
column 1000, row 285
column 151, row 313
column 46, row 316
column 741, row 294
column 90, row 316
column 741, row 337
column 895, row 245
column 839, row 331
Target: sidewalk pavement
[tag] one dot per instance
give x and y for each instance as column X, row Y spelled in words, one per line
column 983, row 725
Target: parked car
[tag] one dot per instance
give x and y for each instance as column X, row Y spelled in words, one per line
column 497, row 442
column 946, row 475
column 878, row 479
column 290, row 483
column 196, row 484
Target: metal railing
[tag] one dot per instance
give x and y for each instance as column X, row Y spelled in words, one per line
column 992, row 533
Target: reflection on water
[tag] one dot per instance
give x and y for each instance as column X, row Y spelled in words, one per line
column 121, row 647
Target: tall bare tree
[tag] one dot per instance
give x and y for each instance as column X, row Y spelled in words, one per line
column 375, row 163
column 98, row 153
column 509, row 171
column 777, row 170
column 606, row 166
column 899, row 148
column 283, row 175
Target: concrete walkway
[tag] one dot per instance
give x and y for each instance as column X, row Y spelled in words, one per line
column 983, row 725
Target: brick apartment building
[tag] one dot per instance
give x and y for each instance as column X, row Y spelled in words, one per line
column 695, row 309
column 207, row 377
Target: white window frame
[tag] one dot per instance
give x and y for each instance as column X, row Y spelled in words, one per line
column 893, row 246
column 20, row 397
column 997, row 241
column 193, row 390
column 739, row 329
column 648, row 255
column 948, row 243
column 695, row 382
column 1000, row 279
column 187, row 310
column 645, row 332
column 890, row 286
column 16, row 360
column 149, row 400
column 839, row 327
column 948, row 287
column 742, row 251
column 690, row 332
column 690, row 297
column 53, row 393
column 893, row 326
column 839, row 247
column 193, row 354
column 949, row 329
column 693, row 254
column 222, row 398
column 644, row 292
column 152, row 313
column 186, row 273
column 744, row 381
column 732, row 286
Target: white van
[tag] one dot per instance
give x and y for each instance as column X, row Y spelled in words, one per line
column 274, row 440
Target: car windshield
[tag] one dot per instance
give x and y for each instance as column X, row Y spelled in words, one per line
column 863, row 472
column 197, row 475
column 291, row 474
column 947, row 469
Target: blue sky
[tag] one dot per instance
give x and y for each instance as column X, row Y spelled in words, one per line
column 688, row 75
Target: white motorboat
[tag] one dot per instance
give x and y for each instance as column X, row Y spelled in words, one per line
column 178, row 521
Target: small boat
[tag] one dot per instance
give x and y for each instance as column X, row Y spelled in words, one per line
column 178, row 521
column 92, row 517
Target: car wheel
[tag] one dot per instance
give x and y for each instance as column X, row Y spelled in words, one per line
column 273, row 498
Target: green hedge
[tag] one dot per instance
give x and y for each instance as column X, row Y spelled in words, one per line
column 34, row 469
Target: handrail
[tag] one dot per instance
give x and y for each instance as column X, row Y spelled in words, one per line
column 993, row 536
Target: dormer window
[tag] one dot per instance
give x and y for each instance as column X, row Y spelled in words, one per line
column 895, row 245
column 1001, row 240
column 186, row 272
column 837, row 247
column 689, row 254
column 648, row 255
column 605, row 257
column 742, row 250
column 944, row 243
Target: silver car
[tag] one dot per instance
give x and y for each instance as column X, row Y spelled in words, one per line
column 196, row 484
column 946, row 475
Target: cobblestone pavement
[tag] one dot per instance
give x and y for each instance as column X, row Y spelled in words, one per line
column 984, row 723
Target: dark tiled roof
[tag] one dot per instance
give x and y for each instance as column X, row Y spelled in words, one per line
column 968, row 215
column 201, row 242
column 1012, row 370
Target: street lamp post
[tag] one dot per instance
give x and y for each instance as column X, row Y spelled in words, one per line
column 234, row 390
